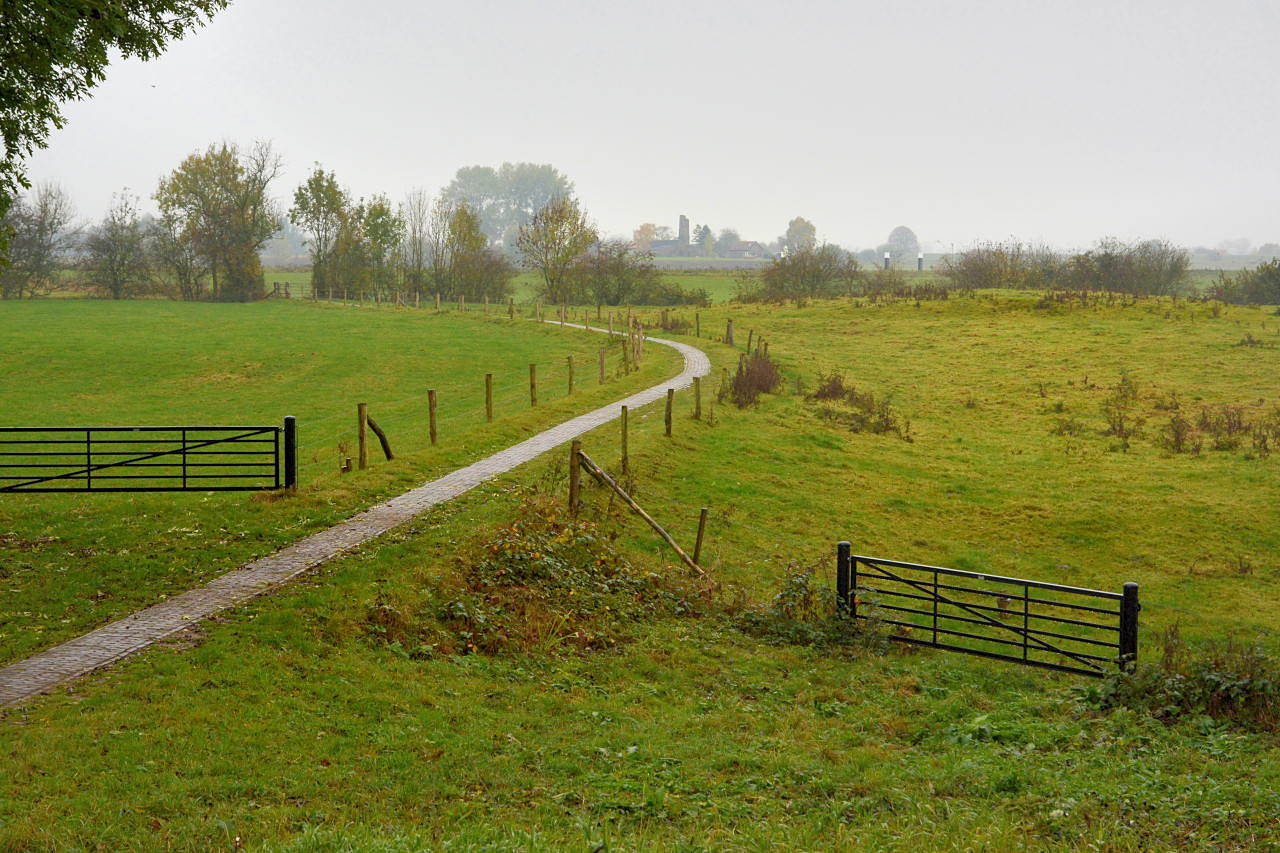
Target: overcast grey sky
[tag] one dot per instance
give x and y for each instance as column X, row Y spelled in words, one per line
column 1056, row 121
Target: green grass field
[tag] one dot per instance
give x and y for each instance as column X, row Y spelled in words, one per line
column 293, row 724
column 72, row 562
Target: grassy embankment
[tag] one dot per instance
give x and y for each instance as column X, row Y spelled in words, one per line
column 296, row 725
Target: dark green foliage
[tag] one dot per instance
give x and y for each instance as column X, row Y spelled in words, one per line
column 51, row 53
column 1226, row 680
column 1258, row 286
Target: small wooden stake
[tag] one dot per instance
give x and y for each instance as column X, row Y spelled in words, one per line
column 570, row 362
column 511, row 309
column 362, row 436
column 728, row 332
column 671, row 396
column 437, row 300
column 697, row 545
column 575, row 476
column 431, row 412
column 697, row 401
column 697, row 332
column 533, row 385
column 488, row 397
column 601, row 367
column 626, row 467
column 750, row 334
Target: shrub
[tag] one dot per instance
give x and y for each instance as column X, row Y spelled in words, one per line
column 539, row 584
column 757, row 374
column 1226, row 680
column 805, row 613
column 862, row 411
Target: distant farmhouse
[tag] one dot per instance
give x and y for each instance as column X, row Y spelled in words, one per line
column 683, row 247
column 679, row 247
column 746, row 250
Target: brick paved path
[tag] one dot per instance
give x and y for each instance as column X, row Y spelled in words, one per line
column 111, row 642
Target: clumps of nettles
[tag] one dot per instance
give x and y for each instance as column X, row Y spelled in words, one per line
column 806, row 612
column 545, row 583
column 1223, row 427
column 858, row 410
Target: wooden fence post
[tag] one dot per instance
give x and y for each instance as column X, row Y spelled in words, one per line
column 697, row 401
column 697, row 333
column 570, row 362
column 511, row 309
column 750, row 334
column 626, row 467
column 671, row 396
column 533, row 385
column 431, row 413
column 486, row 303
column 602, row 367
column 728, row 332
column 437, row 300
column 488, row 397
column 697, row 545
column 575, row 476
column 610, row 324
column 362, row 436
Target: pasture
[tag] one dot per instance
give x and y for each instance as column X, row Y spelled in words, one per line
column 328, row 716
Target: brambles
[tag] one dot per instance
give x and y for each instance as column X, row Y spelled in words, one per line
column 1225, row 680
column 539, row 584
column 804, row 613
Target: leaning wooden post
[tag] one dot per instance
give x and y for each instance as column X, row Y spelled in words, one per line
column 533, row 385
column 431, row 413
column 728, row 332
column 671, row 396
column 697, row 401
column 601, row 367
column 750, row 334
column 626, row 467
column 570, row 363
column 575, row 476
column 362, row 433
column 488, row 397
column 697, row 545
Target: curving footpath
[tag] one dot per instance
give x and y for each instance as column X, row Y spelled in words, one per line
column 108, row 644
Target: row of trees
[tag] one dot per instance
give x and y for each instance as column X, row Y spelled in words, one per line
column 1143, row 268
column 215, row 215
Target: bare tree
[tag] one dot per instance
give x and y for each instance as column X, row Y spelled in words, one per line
column 415, row 213
column 42, row 235
column 116, row 255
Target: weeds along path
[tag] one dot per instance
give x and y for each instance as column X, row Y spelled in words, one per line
column 111, row 642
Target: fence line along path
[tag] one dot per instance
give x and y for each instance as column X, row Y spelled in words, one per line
column 135, row 632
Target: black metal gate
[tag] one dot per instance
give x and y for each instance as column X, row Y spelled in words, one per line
column 148, row 458
column 1066, row 628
